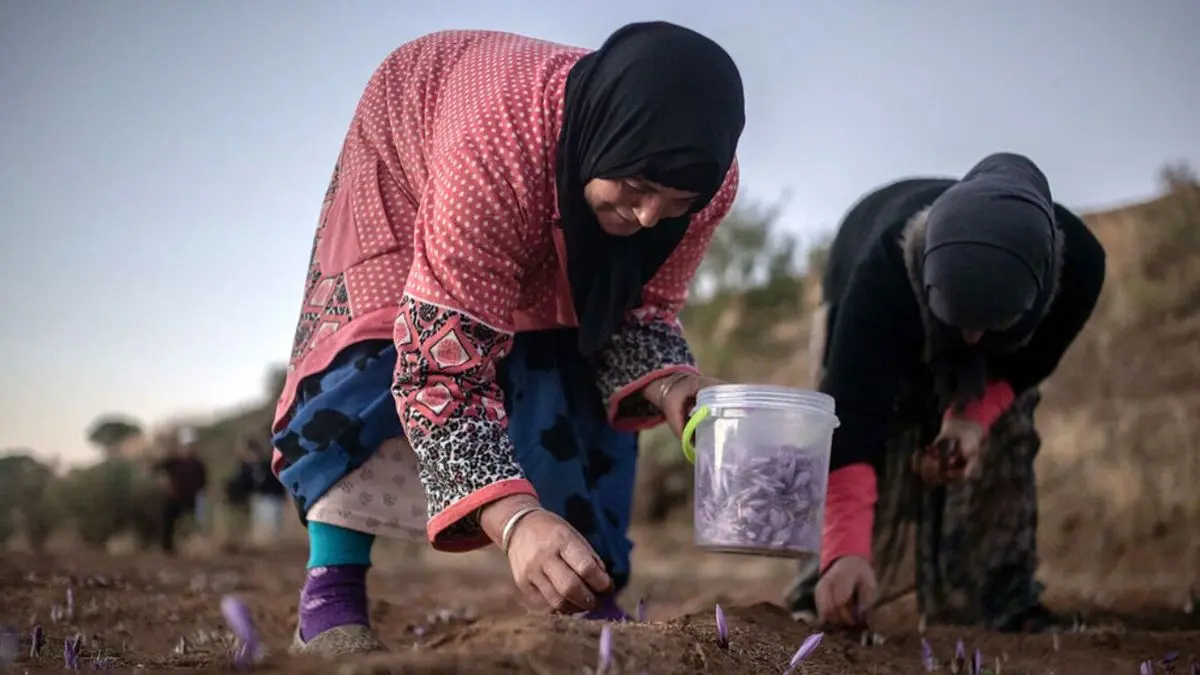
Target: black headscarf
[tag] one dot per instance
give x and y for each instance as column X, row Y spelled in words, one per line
column 990, row 256
column 659, row 102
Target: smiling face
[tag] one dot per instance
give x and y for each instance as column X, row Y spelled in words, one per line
column 625, row 206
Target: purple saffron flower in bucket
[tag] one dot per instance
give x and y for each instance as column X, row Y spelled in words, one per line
column 1147, row 668
column 927, row 658
column 241, row 624
column 605, row 650
column 977, row 663
column 1195, row 668
column 722, row 629
column 1168, row 661
column 641, row 610
column 807, row 647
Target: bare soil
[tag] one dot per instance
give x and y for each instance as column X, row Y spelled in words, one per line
column 459, row 614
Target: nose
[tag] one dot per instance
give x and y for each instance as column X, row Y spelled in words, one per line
column 649, row 211
column 972, row 336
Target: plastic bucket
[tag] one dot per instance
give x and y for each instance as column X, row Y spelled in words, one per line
column 762, row 465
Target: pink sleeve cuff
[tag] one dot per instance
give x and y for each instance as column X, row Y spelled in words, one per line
column 849, row 514
column 984, row 412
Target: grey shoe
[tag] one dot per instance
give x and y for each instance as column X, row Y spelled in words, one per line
column 337, row 641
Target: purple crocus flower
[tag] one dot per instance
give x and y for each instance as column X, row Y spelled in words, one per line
column 605, row 650
column 722, row 629
column 927, row 658
column 807, row 647
column 1147, row 668
column 960, row 658
column 641, row 610
column 237, row 616
column 71, row 653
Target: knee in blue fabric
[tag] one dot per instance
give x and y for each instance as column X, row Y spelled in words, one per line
column 333, row 545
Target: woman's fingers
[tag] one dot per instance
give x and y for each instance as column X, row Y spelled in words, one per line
column 568, row 586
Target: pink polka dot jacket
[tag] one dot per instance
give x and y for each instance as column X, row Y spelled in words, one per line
column 440, row 229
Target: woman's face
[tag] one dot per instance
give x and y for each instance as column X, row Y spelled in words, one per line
column 624, row 206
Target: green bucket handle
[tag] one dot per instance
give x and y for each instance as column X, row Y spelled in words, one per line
column 688, row 437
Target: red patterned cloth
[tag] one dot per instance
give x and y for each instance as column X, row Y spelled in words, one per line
column 440, row 229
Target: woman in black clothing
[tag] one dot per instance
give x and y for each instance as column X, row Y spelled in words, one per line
column 947, row 303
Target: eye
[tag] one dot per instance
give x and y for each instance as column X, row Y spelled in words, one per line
column 639, row 188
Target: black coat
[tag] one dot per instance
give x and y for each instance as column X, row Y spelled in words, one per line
column 879, row 322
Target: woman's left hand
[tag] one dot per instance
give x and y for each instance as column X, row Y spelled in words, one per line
column 967, row 439
column 675, row 396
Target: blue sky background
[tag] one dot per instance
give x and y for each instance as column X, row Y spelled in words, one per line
column 162, row 163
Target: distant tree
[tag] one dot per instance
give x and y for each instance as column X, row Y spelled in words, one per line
column 109, row 431
column 1177, row 176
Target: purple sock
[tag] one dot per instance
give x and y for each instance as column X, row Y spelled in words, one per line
column 607, row 609
column 333, row 595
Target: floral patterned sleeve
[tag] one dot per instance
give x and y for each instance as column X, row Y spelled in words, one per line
column 453, row 327
column 651, row 344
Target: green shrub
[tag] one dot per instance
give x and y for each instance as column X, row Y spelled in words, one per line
column 105, row 500
column 25, row 504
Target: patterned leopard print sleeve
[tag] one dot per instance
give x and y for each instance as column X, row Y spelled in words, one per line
column 646, row 348
column 453, row 415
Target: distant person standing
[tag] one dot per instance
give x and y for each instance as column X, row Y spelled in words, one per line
column 947, row 303
column 267, row 496
column 186, row 478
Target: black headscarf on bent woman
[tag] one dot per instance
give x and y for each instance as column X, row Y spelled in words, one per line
column 990, row 264
column 659, row 102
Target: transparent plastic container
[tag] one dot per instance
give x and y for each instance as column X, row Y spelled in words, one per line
column 761, row 454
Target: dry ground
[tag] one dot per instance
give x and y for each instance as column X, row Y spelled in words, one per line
column 457, row 614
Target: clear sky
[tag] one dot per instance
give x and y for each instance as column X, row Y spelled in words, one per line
column 162, row 163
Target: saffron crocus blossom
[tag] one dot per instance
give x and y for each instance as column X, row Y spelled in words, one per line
column 927, row 658
column 807, row 647
column 237, row 615
column 605, row 659
column 722, row 629
column 36, row 641
column 71, row 652
column 641, row 610
column 960, row 658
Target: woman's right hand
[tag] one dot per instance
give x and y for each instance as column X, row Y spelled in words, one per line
column 846, row 592
column 551, row 562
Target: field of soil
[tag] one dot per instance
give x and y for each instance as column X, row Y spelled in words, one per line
column 459, row 614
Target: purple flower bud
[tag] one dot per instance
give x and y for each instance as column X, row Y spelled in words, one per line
column 977, row 663
column 960, row 658
column 722, row 629
column 927, row 658
column 641, row 610
column 237, row 616
column 71, row 653
column 1147, row 668
column 807, row 647
column 605, row 649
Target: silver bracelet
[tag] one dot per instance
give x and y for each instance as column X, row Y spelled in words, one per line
column 665, row 384
column 511, row 523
